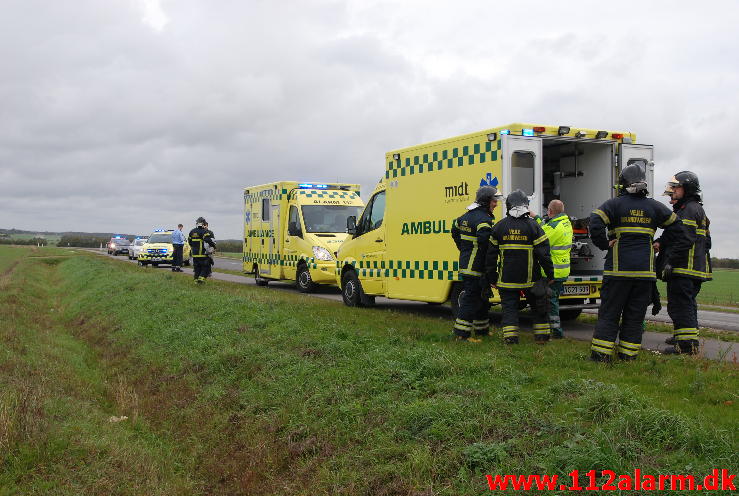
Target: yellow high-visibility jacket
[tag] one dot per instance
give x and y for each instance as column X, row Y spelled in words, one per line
column 559, row 232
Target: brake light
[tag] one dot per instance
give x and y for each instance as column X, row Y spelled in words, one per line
column 617, row 135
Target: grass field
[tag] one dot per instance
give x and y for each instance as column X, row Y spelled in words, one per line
column 52, row 239
column 237, row 256
column 232, row 389
column 722, row 290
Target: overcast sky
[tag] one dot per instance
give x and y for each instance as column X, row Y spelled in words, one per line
column 125, row 115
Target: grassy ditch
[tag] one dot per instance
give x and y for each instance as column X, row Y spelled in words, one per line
column 233, row 389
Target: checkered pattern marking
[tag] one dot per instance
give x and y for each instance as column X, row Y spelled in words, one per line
column 479, row 153
column 278, row 259
column 313, row 193
column 271, row 193
column 406, row 269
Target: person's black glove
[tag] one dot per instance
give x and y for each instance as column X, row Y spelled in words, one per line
column 667, row 271
column 656, row 307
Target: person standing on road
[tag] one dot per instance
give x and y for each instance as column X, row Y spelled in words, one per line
column 210, row 250
column 684, row 247
column 200, row 238
column 517, row 257
column 178, row 243
column 558, row 229
column 625, row 226
column 471, row 234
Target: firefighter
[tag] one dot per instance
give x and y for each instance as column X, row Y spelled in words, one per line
column 516, row 258
column 471, row 233
column 684, row 247
column 200, row 238
column 625, row 226
column 558, row 229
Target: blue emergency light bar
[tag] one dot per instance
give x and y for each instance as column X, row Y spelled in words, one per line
column 161, row 230
column 312, row 186
column 505, row 131
column 528, row 132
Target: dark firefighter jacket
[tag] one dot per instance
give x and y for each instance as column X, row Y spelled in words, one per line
column 518, row 253
column 471, row 233
column 198, row 238
column 685, row 244
column 630, row 219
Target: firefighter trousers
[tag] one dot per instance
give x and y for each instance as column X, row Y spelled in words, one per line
column 623, row 305
column 509, row 301
column 201, row 266
column 474, row 309
column 554, row 321
column 683, row 310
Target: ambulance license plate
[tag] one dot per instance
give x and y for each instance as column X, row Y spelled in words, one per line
column 156, row 259
column 576, row 289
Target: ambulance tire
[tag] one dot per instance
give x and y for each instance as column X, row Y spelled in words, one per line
column 455, row 296
column 571, row 314
column 352, row 292
column 258, row 280
column 303, row 280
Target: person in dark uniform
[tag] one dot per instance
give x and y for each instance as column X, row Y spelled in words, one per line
column 684, row 247
column 209, row 250
column 471, row 233
column 625, row 227
column 517, row 256
column 200, row 238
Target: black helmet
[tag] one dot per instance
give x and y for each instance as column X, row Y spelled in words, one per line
column 688, row 180
column 633, row 177
column 200, row 221
column 516, row 199
column 486, row 194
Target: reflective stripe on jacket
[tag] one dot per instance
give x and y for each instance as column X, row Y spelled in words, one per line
column 559, row 232
column 687, row 242
column 471, row 233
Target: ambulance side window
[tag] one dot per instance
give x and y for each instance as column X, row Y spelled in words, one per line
column 265, row 209
column 522, row 171
column 373, row 215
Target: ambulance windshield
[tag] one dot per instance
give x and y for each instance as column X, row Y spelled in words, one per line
column 160, row 238
column 327, row 218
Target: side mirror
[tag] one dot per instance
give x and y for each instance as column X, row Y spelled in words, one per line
column 293, row 229
column 351, row 225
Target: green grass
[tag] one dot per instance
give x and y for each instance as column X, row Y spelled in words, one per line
column 234, row 389
column 51, row 239
column 723, row 290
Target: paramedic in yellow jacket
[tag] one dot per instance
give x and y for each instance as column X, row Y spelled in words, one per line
column 558, row 229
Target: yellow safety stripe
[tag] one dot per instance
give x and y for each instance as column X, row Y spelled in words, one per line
column 510, row 328
column 493, row 241
column 483, row 225
column 691, row 256
column 602, row 215
column 689, row 222
column 468, row 238
column 604, row 343
column 516, row 247
column 630, row 273
column 540, row 239
column 669, row 221
column 701, row 232
column 631, row 346
column 515, row 285
column 561, row 266
column 560, row 247
column 469, row 272
column 690, row 272
column 530, row 266
column 635, row 230
column 614, row 257
column 627, row 351
column 600, row 349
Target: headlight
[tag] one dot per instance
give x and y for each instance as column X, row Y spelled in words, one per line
column 322, row 253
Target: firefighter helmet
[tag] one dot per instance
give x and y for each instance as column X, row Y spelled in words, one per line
column 633, row 177
column 517, row 199
column 200, row 221
column 688, row 180
column 486, row 194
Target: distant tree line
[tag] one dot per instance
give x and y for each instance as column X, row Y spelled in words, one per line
column 725, row 263
column 30, row 241
column 83, row 241
column 229, row 245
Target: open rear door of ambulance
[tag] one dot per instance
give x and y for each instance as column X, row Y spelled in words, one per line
column 629, row 153
column 522, row 168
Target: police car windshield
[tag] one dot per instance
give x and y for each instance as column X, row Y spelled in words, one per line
column 140, row 242
column 160, row 238
column 120, row 241
column 327, row 218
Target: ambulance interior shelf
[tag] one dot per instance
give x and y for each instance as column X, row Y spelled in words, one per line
column 580, row 174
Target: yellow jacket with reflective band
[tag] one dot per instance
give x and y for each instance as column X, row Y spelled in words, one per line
column 559, row 233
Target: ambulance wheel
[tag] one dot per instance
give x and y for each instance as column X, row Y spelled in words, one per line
column 304, row 281
column 455, row 297
column 352, row 292
column 258, row 280
column 571, row 314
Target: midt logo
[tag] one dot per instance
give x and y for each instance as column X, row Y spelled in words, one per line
column 424, row 227
column 461, row 190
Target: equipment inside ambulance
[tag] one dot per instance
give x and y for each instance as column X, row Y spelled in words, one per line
column 401, row 247
column 293, row 230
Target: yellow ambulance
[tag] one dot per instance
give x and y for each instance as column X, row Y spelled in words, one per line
column 401, row 246
column 293, row 230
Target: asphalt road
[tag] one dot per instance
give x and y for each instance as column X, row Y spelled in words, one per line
column 712, row 348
